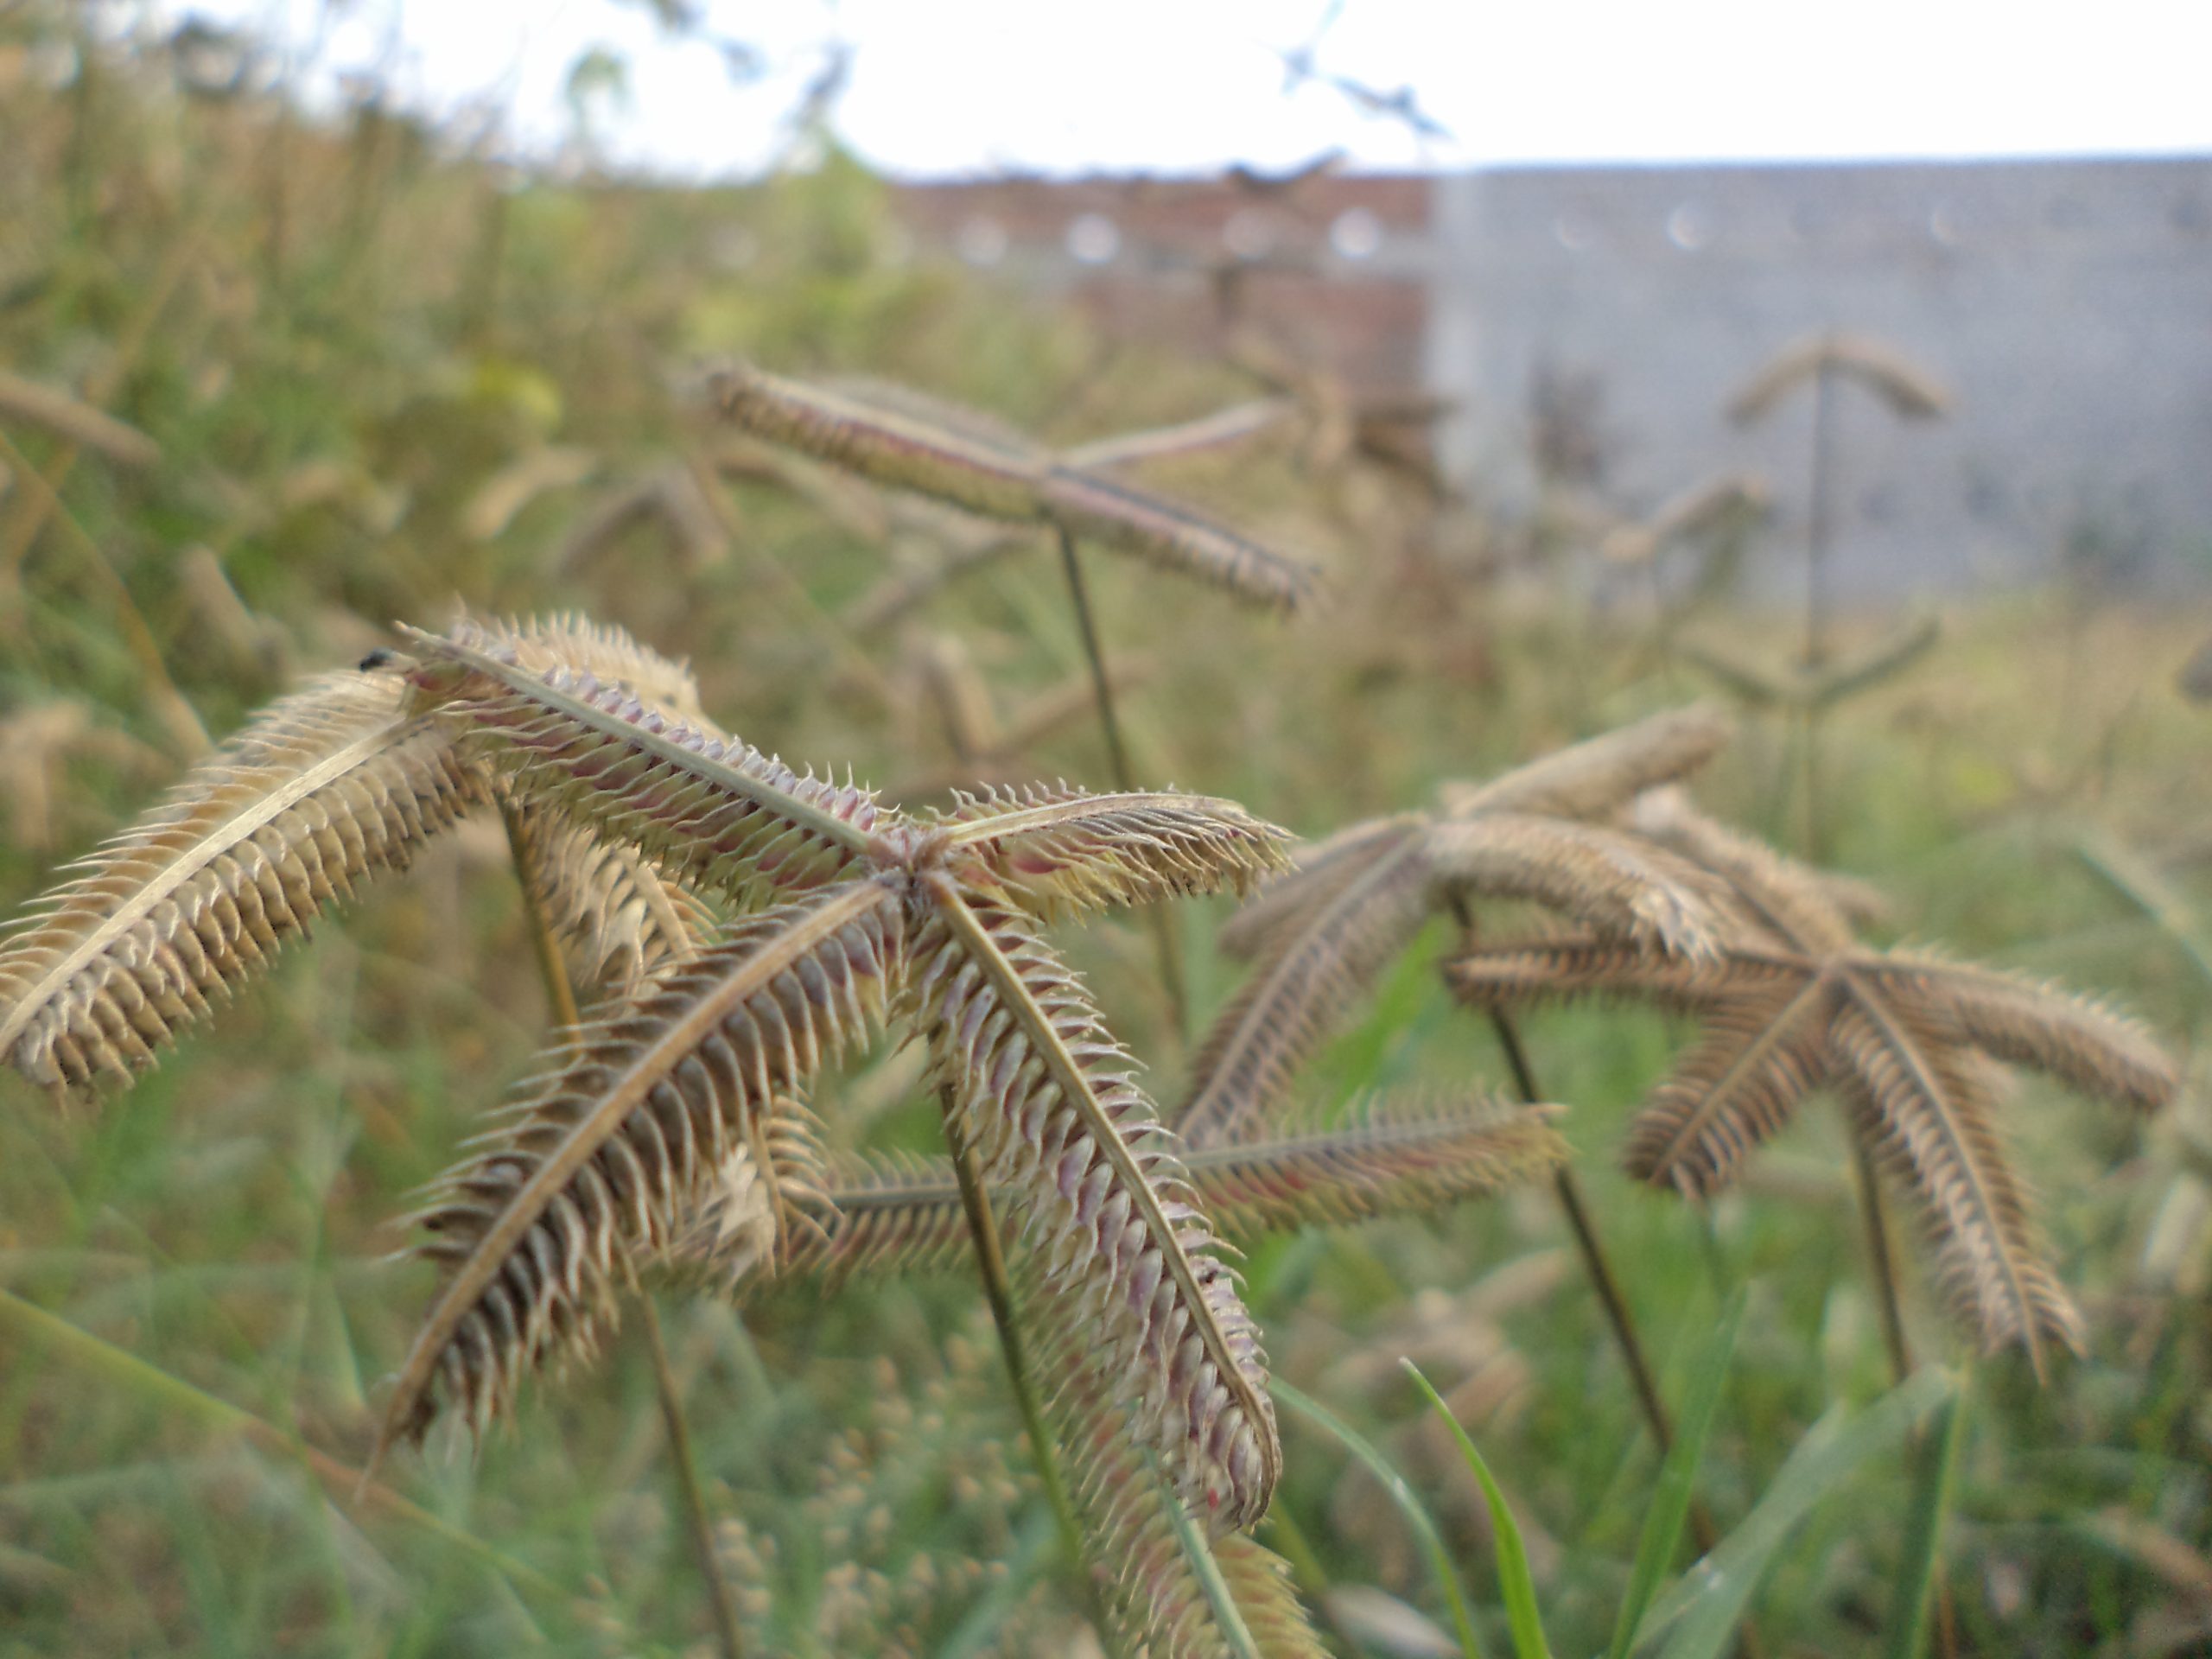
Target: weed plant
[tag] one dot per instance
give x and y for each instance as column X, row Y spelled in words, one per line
column 275, row 383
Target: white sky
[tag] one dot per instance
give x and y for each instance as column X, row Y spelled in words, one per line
column 951, row 87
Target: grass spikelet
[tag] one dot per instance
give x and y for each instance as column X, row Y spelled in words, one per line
column 76, row 421
column 604, row 651
column 1911, row 391
column 1623, row 887
column 1388, row 1161
column 328, row 788
column 1704, row 509
column 1791, row 1001
column 619, row 919
column 1300, row 990
column 905, row 441
column 1928, row 1117
column 900, row 1213
column 2085, row 1044
column 1602, row 774
column 1176, row 537
column 717, row 811
column 1061, row 850
column 883, row 444
column 1732, row 1089
column 1169, row 1586
column 1225, row 428
column 1563, row 967
column 1319, row 871
column 1322, row 934
column 1127, row 1273
column 536, row 1231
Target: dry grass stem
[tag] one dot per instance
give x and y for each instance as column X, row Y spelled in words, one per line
column 81, row 424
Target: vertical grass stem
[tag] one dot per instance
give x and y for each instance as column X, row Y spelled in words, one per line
column 561, row 997
column 991, row 1263
column 1598, row 1268
column 1117, row 758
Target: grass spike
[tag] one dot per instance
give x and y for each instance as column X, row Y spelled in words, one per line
column 1047, row 1100
column 1324, row 933
column 329, row 787
column 1793, row 1001
column 537, row 1230
column 900, row 1213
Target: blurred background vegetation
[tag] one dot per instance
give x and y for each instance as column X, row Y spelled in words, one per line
column 302, row 378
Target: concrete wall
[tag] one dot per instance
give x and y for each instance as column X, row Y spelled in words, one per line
column 2067, row 304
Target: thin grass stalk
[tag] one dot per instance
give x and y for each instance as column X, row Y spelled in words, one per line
column 176, row 715
column 719, row 1598
column 560, row 994
column 1597, row 1268
column 1883, row 1262
column 833, row 631
column 1818, row 515
column 1594, row 1261
column 990, row 1264
column 1236, row 1635
column 1595, row 1264
column 567, row 1017
column 1815, row 841
column 29, row 518
column 1117, row 758
column 33, row 1327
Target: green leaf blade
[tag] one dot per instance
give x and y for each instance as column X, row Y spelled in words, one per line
column 1670, row 1502
column 1396, row 1487
column 1705, row 1608
column 1931, row 1501
column 1515, row 1583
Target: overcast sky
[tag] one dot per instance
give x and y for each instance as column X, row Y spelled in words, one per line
column 961, row 86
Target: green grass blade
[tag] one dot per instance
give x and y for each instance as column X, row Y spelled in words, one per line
column 1931, row 1500
column 1705, row 1606
column 1670, row 1501
column 1394, row 1485
column 29, row 1324
column 1236, row 1636
column 1518, row 1589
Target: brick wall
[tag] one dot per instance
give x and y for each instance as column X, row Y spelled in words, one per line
column 1332, row 266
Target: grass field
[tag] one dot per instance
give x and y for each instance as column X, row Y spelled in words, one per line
column 374, row 378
